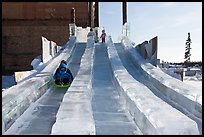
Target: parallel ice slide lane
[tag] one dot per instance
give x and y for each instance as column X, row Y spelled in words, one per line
column 75, row 61
column 16, row 99
column 74, row 116
column 41, row 115
column 145, row 107
column 133, row 71
column 109, row 113
column 139, row 76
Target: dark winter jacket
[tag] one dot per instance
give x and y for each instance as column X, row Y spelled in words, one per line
column 59, row 74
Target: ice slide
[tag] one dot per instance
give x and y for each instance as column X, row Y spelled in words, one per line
column 41, row 115
column 184, row 98
column 103, row 99
column 139, row 76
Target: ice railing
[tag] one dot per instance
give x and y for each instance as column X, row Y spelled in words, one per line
column 81, row 33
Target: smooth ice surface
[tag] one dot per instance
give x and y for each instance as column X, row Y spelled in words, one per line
column 16, row 100
column 41, row 115
column 75, row 112
column 110, row 115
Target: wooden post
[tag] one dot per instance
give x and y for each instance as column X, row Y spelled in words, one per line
column 73, row 15
column 91, row 21
column 124, row 13
column 96, row 15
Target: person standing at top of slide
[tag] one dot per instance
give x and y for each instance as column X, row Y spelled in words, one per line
column 103, row 36
column 92, row 33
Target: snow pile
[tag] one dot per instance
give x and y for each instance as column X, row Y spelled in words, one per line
column 36, row 62
column 197, row 77
column 194, row 81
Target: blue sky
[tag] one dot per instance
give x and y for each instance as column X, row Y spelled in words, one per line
column 170, row 21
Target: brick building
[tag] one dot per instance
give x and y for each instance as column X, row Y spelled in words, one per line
column 23, row 24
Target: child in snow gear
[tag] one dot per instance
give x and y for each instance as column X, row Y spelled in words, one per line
column 103, row 36
column 63, row 75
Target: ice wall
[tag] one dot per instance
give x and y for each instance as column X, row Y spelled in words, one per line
column 82, row 34
column 49, row 48
column 151, row 114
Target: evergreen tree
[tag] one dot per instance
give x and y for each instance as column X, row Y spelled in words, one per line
column 187, row 50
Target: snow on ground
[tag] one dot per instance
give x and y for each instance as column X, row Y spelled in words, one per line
column 8, row 81
column 195, row 81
